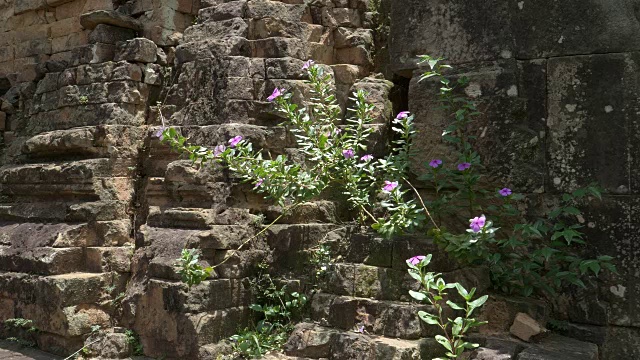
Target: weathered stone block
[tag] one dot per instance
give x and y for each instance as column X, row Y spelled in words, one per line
column 28, row 5
column 109, row 34
column 138, row 50
column 559, row 347
column 107, row 259
column 65, row 27
column 526, row 328
column 278, row 10
column 41, row 260
column 217, row 29
column 589, row 123
column 92, row 19
column 224, row 11
column 278, row 48
column 69, row 42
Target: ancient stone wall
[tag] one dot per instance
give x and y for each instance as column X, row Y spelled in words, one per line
column 558, row 86
column 95, row 210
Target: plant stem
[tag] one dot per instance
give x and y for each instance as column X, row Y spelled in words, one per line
column 422, row 202
column 256, row 235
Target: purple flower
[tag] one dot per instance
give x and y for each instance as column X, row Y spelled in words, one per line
column 389, row 185
column 416, row 260
column 337, row 132
column 477, row 223
column 435, row 163
column 464, row 166
column 361, row 329
column 505, row 192
column 367, row 157
column 218, row 150
column 309, row 63
column 275, row 94
column 348, row 154
column 402, row 115
column 235, row 140
column 159, row 133
column 258, row 183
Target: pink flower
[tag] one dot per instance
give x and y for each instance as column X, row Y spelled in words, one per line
column 389, row 185
column 348, row 154
column 435, row 163
column 337, row 132
column 308, row 64
column 159, row 133
column 464, row 166
column 477, row 223
column 416, row 260
column 275, row 94
column 505, row 192
column 235, row 140
column 367, row 157
column 258, row 183
column 402, row 115
column 218, row 150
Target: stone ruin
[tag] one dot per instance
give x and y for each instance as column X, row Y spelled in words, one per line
column 94, row 210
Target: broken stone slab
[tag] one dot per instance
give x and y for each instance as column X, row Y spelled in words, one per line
column 92, row 19
column 557, row 347
column 527, row 329
column 138, row 50
column 497, row 349
column 109, row 34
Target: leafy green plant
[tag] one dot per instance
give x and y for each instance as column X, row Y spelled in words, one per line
column 26, row 330
column 190, row 270
column 134, row 341
column 276, row 308
column 532, row 256
column 433, row 291
column 265, row 337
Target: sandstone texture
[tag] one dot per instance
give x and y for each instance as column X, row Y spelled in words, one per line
column 94, row 210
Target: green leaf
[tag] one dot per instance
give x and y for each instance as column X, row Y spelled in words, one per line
column 478, row 302
column 454, row 306
column 462, row 291
column 428, row 318
column 444, row 342
column 417, row 295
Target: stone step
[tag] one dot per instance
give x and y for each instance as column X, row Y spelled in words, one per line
column 59, row 211
column 384, row 283
column 399, row 319
column 73, row 172
column 85, row 115
column 92, row 141
column 52, row 291
column 83, row 180
column 64, row 235
column 313, row 341
column 385, row 318
column 53, row 261
column 557, row 347
column 44, row 260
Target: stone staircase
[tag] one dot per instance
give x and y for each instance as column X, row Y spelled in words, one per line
column 363, row 310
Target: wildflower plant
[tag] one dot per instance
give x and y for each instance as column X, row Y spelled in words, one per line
column 433, row 291
column 534, row 256
column 335, row 155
